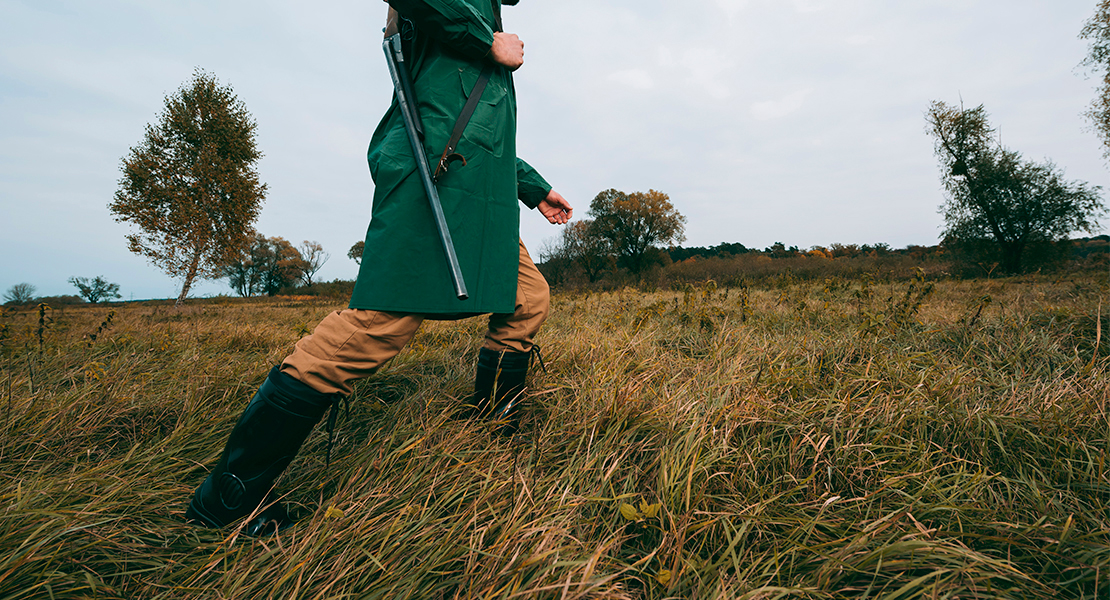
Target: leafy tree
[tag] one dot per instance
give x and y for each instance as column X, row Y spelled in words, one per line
column 265, row 267
column 877, row 249
column 286, row 266
column 244, row 272
column 634, row 224
column 579, row 250
column 994, row 195
column 58, row 301
column 20, row 293
column 555, row 267
column 191, row 187
column 779, row 250
column 313, row 258
column 723, row 250
column 96, row 290
column 583, row 245
column 838, row 250
column 1097, row 32
column 355, row 253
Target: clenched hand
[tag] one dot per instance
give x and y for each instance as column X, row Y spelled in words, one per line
column 507, row 50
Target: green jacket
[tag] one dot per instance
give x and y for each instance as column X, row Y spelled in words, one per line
column 403, row 267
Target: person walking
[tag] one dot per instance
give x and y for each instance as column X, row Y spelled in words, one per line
column 404, row 277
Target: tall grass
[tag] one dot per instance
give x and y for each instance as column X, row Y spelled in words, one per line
column 835, row 439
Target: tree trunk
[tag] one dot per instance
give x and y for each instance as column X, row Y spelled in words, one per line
column 1011, row 257
column 188, row 283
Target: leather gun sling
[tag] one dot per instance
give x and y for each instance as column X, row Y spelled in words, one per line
column 472, row 99
column 449, row 154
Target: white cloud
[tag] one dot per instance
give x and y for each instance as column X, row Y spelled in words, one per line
column 731, row 8
column 634, row 78
column 809, row 6
column 709, row 69
column 776, row 109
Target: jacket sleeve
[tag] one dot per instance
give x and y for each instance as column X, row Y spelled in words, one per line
column 531, row 188
column 453, row 23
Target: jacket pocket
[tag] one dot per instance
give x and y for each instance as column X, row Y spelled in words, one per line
column 488, row 124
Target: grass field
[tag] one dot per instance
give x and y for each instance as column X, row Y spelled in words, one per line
column 844, row 439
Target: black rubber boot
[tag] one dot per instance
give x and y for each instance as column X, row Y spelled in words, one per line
column 265, row 440
column 499, row 387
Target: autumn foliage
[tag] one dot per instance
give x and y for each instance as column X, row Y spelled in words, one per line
column 190, row 187
column 634, row 223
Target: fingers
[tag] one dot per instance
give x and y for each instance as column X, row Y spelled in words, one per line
column 507, row 50
column 556, row 213
column 558, row 202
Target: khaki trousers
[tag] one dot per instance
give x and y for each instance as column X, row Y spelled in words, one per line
column 352, row 344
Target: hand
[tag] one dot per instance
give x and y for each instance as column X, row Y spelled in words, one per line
column 507, row 50
column 556, row 208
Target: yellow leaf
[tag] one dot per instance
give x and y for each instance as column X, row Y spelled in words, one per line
column 629, row 512
column 663, row 577
column 334, row 513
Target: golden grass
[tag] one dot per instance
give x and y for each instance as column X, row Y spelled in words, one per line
column 818, row 440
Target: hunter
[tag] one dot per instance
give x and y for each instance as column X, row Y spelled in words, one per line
column 404, row 278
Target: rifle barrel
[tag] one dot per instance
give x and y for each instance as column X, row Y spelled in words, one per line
column 402, row 86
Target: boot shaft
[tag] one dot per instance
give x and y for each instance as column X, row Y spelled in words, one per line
column 499, row 385
column 263, row 442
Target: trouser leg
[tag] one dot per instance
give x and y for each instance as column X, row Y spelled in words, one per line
column 504, row 358
column 515, row 331
column 347, row 345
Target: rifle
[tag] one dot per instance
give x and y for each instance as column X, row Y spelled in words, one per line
column 406, row 101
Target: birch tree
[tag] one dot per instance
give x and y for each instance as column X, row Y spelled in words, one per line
column 191, row 188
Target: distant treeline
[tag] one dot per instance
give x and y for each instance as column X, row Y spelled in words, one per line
column 779, row 250
column 1079, row 248
column 733, row 263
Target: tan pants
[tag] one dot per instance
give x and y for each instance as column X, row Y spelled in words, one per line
column 352, row 344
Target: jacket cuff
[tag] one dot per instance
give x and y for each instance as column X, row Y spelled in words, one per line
column 531, row 188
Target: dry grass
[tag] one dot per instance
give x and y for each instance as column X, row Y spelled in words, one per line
column 816, row 440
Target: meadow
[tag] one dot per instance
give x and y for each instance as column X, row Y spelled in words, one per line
column 844, row 438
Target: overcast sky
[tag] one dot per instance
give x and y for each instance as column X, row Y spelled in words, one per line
column 798, row 121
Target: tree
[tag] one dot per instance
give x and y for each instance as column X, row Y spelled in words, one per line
column 245, row 271
column 355, row 253
column 191, row 187
column 995, row 195
column 265, row 267
column 285, row 266
column 635, row 223
column 20, row 293
column 583, row 244
column 96, row 290
column 1097, row 32
column 779, row 250
column 313, row 259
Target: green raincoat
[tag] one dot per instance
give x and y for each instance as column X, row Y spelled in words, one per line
column 403, row 268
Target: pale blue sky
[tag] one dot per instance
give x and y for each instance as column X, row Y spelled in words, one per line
column 798, row 121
